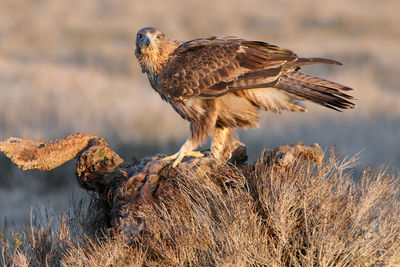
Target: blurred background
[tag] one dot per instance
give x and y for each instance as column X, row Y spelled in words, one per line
column 69, row 66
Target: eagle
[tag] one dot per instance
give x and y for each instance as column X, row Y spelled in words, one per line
column 222, row 83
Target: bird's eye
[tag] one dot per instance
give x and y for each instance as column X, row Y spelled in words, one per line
column 159, row 36
column 139, row 36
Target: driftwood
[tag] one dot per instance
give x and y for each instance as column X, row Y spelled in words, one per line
column 127, row 186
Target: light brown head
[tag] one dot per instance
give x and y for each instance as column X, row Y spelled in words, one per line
column 153, row 49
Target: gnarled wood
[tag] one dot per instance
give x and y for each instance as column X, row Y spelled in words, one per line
column 44, row 155
column 147, row 181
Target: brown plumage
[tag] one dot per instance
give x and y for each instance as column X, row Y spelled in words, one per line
column 218, row 84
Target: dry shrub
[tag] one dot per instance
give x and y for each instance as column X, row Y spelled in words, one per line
column 300, row 215
column 46, row 241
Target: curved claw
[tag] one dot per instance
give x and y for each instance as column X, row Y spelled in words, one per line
column 185, row 151
column 178, row 157
column 172, row 157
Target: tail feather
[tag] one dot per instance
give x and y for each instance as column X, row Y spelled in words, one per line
column 317, row 90
column 318, row 81
column 296, row 64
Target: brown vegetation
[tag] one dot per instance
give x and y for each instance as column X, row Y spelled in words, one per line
column 281, row 211
column 69, row 66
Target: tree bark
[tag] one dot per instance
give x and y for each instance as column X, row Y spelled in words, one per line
column 126, row 187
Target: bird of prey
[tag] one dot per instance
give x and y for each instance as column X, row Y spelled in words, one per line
column 221, row 83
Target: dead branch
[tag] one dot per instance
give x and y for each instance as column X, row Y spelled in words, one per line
column 45, row 155
column 148, row 181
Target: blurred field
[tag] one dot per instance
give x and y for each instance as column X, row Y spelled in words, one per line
column 69, row 66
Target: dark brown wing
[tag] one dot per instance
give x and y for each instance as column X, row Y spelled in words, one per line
column 211, row 67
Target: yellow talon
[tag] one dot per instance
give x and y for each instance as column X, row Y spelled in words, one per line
column 177, row 157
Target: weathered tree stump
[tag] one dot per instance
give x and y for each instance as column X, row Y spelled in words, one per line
column 127, row 186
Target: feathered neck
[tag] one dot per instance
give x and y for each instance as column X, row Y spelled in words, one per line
column 153, row 58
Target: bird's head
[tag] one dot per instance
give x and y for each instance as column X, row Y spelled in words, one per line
column 153, row 49
column 148, row 39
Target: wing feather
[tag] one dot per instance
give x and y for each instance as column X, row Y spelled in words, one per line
column 314, row 89
column 211, row 67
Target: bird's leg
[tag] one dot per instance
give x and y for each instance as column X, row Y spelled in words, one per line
column 200, row 126
column 185, row 151
column 224, row 143
column 219, row 142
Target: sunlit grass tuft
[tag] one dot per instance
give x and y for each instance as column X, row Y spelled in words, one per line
column 298, row 216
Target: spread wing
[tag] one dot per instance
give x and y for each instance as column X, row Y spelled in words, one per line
column 211, row 67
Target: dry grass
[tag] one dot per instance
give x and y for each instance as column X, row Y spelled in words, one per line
column 69, row 67
column 298, row 216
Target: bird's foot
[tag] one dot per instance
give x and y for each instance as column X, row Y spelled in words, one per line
column 177, row 157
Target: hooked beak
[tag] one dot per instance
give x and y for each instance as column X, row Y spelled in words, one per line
column 140, row 44
column 138, row 51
